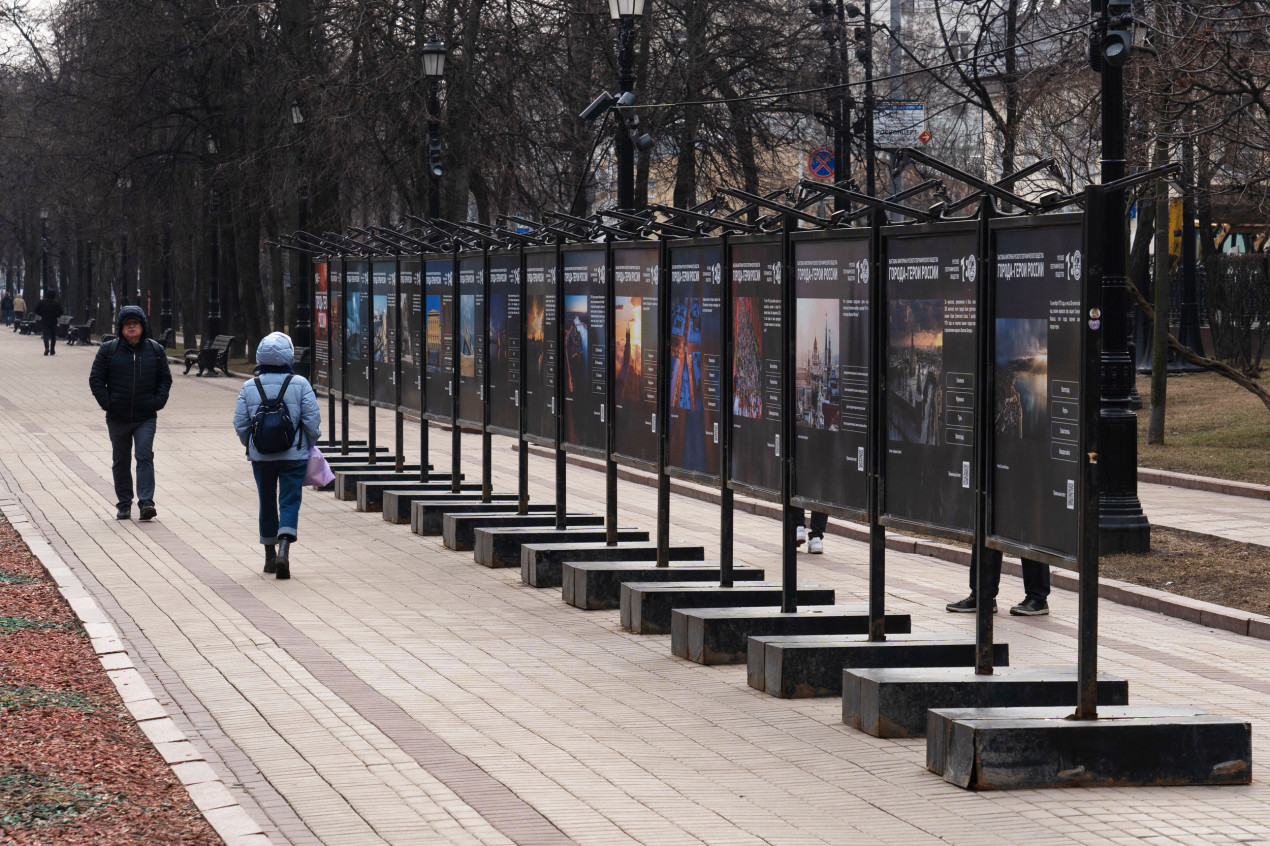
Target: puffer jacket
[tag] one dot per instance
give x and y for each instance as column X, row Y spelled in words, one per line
column 131, row 383
column 275, row 350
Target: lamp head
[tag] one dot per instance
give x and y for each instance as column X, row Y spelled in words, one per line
column 619, row 9
column 434, row 60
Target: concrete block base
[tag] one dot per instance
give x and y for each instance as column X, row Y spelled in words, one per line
column 427, row 516
column 811, row 665
column 370, row 494
column 646, row 606
column 541, row 564
column 501, row 547
column 1127, row 746
column 721, row 635
column 346, row 478
column 397, row 502
column 458, row 530
column 597, row 585
column 893, row 701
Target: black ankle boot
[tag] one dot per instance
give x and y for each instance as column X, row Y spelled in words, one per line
column 271, row 564
column 283, row 559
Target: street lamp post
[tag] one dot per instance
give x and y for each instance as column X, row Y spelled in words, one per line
column 864, row 37
column 433, row 71
column 1123, row 525
column 89, row 311
column 44, row 252
column 302, row 331
column 165, row 305
column 625, row 13
column 841, row 104
column 213, row 278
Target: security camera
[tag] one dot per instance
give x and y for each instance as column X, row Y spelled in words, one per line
column 626, row 100
column 598, row 106
column 644, row 142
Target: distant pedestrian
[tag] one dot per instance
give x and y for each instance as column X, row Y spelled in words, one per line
column 130, row 380
column 1036, row 587
column 6, row 307
column 815, row 537
column 279, row 473
column 19, row 311
column 49, row 310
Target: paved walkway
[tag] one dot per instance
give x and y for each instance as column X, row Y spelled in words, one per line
column 395, row 692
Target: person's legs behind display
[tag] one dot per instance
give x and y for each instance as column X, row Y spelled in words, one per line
column 1036, row 587
column 971, row 604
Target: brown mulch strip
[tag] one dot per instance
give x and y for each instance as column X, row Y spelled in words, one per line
column 74, row 767
column 1202, row 567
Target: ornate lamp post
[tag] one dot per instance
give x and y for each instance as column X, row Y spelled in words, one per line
column 213, row 278
column 433, row 71
column 302, row 331
column 625, row 14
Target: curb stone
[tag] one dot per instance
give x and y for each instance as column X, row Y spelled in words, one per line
column 207, row 791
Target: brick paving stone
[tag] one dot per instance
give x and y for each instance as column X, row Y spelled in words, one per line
column 394, row 692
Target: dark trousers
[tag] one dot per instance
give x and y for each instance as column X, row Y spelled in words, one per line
column 50, row 338
column 280, row 485
column 1036, row 576
column 818, row 522
column 124, row 437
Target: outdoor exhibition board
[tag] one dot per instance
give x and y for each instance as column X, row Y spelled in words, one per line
column 584, row 364
column 383, row 331
column 504, row 343
column 758, row 364
column 321, row 326
column 931, row 287
column 636, row 275
column 1038, row 275
column 471, row 339
column 411, row 328
column 832, row 383
column 357, row 329
column 438, row 312
column 541, row 287
column 335, row 281
column 696, row 359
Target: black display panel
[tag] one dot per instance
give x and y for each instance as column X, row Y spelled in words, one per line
column 383, row 331
column 321, row 326
column 357, row 329
column 411, row 335
column 696, row 357
column 335, row 278
column 438, row 313
column 831, row 371
column 757, row 363
column 471, row 339
column 540, row 344
column 1036, row 390
column 635, row 316
column 932, row 277
column 504, row 343
column 585, row 363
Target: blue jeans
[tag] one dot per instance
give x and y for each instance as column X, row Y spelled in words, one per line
column 280, row 485
column 123, row 437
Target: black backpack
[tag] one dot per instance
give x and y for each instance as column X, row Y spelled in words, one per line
column 271, row 428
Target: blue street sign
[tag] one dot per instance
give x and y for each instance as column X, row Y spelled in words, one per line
column 820, row 164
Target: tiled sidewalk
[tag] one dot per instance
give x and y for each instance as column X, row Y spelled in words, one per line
column 395, row 692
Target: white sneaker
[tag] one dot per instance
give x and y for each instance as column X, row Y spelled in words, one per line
column 816, row 546
column 800, row 536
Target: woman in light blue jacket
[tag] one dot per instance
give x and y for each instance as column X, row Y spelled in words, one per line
column 279, row 475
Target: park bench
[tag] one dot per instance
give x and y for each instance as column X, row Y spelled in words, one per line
column 63, row 326
column 167, row 339
column 81, row 333
column 29, row 326
column 211, row 357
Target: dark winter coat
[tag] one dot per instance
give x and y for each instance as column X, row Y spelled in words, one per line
column 131, row 383
column 49, row 310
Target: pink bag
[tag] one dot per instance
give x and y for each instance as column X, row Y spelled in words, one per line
column 319, row 473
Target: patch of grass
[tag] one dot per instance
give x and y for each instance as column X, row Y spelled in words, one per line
column 29, row 800
column 7, row 578
column 1212, row 427
column 8, row 625
column 23, row 696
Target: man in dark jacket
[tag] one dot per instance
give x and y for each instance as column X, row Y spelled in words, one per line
column 130, row 380
column 49, row 310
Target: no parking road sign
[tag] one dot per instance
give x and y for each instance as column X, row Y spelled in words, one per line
column 820, row 164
